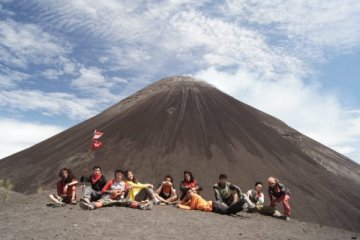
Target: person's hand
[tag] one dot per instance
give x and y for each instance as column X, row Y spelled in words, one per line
column 149, row 185
column 114, row 193
column 167, row 183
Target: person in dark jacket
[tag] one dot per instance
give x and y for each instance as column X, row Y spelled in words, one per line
column 278, row 192
column 226, row 192
column 97, row 181
column 189, row 182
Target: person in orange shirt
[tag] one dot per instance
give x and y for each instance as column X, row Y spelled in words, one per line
column 194, row 201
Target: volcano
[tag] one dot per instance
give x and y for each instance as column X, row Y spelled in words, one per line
column 180, row 123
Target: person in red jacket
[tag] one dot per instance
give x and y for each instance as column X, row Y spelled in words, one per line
column 278, row 192
column 66, row 189
column 189, row 182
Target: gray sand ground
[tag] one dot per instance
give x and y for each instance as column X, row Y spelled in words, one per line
column 28, row 217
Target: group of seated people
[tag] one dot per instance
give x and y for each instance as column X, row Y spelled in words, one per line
column 125, row 190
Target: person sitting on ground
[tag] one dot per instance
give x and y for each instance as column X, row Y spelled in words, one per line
column 66, row 189
column 166, row 192
column 194, row 201
column 189, row 182
column 225, row 192
column 278, row 192
column 255, row 199
column 114, row 195
column 97, row 181
column 139, row 191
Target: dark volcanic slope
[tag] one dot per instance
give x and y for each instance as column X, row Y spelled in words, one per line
column 179, row 123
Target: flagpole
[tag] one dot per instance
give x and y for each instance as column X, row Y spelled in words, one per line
column 91, row 155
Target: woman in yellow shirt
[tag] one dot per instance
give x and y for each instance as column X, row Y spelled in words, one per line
column 139, row 191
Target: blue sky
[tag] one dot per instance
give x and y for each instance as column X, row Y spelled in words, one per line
column 62, row 62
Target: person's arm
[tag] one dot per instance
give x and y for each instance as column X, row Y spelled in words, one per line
column 217, row 194
column 183, row 188
column 107, row 186
column 139, row 185
column 236, row 188
column 184, row 207
column 261, row 199
column 282, row 188
column 71, row 184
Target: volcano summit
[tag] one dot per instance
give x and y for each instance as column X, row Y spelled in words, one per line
column 181, row 123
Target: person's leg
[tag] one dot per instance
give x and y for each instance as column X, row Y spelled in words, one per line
column 95, row 195
column 87, row 192
column 218, row 207
column 142, row 195
column 235, row 197
column 236, row 207
column 124, row 202
column 160, row 198
column 53, row 198
column 171, row 199
column 287, row 208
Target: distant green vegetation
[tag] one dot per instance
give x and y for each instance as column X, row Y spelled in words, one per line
column 6, row 186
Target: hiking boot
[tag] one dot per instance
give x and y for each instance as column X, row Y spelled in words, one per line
column 86, row 206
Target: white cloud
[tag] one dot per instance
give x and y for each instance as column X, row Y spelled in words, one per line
column 306, row 108
column 10, row 78
column 93, row 83
column 24, row 44
column 49, row 104
column 21, row 135
column 311, row 25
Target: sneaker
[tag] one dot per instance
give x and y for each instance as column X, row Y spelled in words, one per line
column 55, row 204
column 148, row 206
column 86, row 206
column 282, row 217
column 59, row 204
column 73, row 202
column 84, row 199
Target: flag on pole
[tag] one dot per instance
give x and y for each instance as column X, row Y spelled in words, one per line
column 97, row 134
column 96, row 144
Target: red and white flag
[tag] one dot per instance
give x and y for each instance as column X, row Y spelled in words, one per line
column 97, row 134
column 96, row 144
